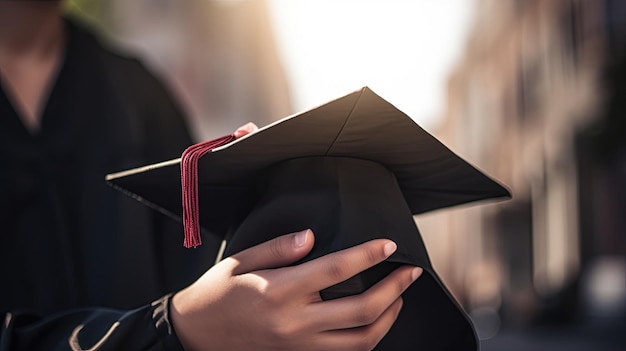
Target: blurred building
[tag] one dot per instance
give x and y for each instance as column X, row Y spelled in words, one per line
column 538, row 101
column 219, row 57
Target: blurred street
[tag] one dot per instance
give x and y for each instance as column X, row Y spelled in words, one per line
column 600, row 337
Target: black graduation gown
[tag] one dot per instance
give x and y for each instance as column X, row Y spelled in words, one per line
column 69, row 242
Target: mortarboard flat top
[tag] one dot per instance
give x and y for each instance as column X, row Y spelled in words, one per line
column 359, row 125
column 358, row 168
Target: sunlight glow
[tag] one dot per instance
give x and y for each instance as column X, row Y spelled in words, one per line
column 403, row 49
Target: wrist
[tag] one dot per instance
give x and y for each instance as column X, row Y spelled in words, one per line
column 179, row 318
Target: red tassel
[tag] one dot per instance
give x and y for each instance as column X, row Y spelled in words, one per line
column 189, row 181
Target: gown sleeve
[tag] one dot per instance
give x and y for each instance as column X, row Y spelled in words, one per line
column 145, row 328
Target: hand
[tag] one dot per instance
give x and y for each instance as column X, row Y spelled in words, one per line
column 245, row 302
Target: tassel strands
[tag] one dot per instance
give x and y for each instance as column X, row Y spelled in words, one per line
column 189, row 181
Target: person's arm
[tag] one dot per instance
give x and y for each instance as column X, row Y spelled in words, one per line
column 243, row 303
column 145, row 328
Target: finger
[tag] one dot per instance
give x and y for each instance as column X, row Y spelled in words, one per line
column 362, row 338
column 363, row 309
column 274, row 253
column 246, row 129
column 336, row 267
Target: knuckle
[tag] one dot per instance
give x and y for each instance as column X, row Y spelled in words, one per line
column 337, row 270
column 367, row 341
column 403, row 284
column 372, row 255
column 275, row 248
column 366, row 315
column 407, row 280
column 268, row 298
column 282, row 329
column 270, row 294
column 398, row 282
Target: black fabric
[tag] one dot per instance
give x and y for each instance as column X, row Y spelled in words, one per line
column 147, row 328
column 67, row 240
column 347, row 201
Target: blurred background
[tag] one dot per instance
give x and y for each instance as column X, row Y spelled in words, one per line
column 532, row 92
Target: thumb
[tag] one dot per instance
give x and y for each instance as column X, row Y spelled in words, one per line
column 275, row 253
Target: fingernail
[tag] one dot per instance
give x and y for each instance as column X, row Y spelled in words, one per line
column 390, row 248
column 300, row 239
column 416, row 272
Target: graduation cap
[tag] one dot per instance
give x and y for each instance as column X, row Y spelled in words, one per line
column 352, row 170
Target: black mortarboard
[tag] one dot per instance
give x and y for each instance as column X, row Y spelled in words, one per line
column 352, row 170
